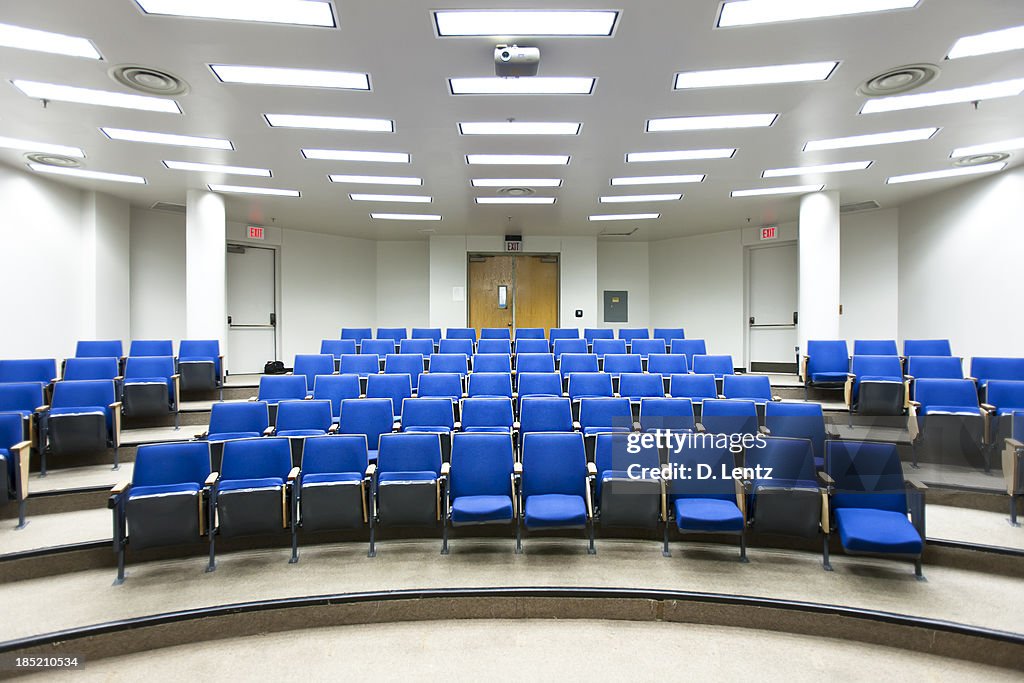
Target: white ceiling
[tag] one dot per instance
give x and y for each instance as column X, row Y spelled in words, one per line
column 395, row 42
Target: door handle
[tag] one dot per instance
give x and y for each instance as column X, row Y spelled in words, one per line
column 273, row 319
column 751, row 320
column 229, row 320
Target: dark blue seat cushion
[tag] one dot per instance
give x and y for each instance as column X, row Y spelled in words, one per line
column 877, row 531
column 140, row 491
column 301, row 432
column 427, row 430
column 241, row 484
column 951, row 410
column 476, row 509
column 555, row 510
column 331, row 478
column 592, row 431
column 488, row 430
column 707, row 514
column 407, row 476
column 828, row 377
column 79, row 410
column 227, row 436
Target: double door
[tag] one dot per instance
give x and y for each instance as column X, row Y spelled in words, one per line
column 512, row 290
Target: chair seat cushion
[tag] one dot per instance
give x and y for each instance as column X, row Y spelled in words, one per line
column 423, row 429
column 301, row 432
column 951, row 410
column 243, row 484
column 407, row 476
column 79, row 410
column 331, row 478
column 488, row 430
column 880, row 378
column 707, row 514
column 828, row 377
column 593, row 431
column 146, row 380
column 195, row 359
column 1008, row 410
column 478, row 509
column 877, row 531
column 555, row 510
column 162, row 490
column 227, row 436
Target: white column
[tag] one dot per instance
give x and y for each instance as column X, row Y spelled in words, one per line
column 105, row 256
column 205, row 262
column 819, row 267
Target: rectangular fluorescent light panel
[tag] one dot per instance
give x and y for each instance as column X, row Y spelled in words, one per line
column 752, row 12
column 871, row 139
column 374, row 179
column 682, row 123
column 516, row 182
column 90, row 175
column 330, row 123
column 351, row 155
column 166, row 139
column 792, row 189
column 304, row 78
column 988, row 148
column 242, row 189
column 680, row 155
column 947, row 173
column 625, row 217
column 216, row 168
column 660, row 179
column 755, row 75
column 519, row 159
column 43, row 41
column 986, row 43
column 299, row 12
column 515, row 200
column 630, row 198
column 405, row 198
column 823, row 168
column 525, row 22
column 520, row 128
column 535, row 85
column 45, row 147
column 405, row 216
column 102, row 98
column 972, row 93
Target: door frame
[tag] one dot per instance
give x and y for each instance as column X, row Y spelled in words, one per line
column 515, row 255
column 746, row 300
column 276, row 249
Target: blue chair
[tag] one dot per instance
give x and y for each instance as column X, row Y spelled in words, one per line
column 713, row 505
column 826, row 364
column 1013, row 468
column 948, row 424
column 539, row 384
column 591, row 334
column 671, row 414
column 461, row 333
column 201, row 366
column 529, row 333
column 590, row 385
column 602, row 347
column 276, row 388
column 490, row 384
column 638, row 386
column 456, row 346
column 495, row 333
column 557, row 333
column 395, row 334
column 394, row 387
column 719, row 366
column 357, row 334
column 338, row 348
column 336, row 388
column 934, row 367
column 408, row 484
column 333, row 487
column 14, row 460
column 545, row 414
column 757, row 388
column 494, row 346
column 557, row 483
column 985, row 369
column 432, row 333
column 870, row 501
column 616, row 364
column 370, row 417
column 577, row 362
column 875, row 386
column 430, row 416
column 362, row 366
column 237, row 420
column 299, row 419
column 483, row 484
column 42, row 370
column 875, row 347
column 535, row 362
column 166, row 501
column 627, row 495
column 377, row 347
column 83, row 417
column 799, row 421
column 697, row 388
column 667, row 364
column 492, row 362
column 99, row 349
column 531, row 345
column 926, row 347
column 151, row 347
column 424, row 347
column 150, row 387
column 729, row 416
column 488, row 416
column 405, row 364
column 645, row 347
column 688, row 348
column 312, row 364
column 572, row 345
column 604, row 416
column 441, row 384
column 632, row 333
column 668, row 334
column 253, row 493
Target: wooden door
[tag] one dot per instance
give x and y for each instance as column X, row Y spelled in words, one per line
column 536, row 298
column 486, row 275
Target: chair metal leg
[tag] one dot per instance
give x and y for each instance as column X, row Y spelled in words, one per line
column 295, row 529
column 918, row 574
column 591, row 550
column 826, row 563
column 444, row 535
column 211, row 529
column 42, row 461
column 21, row 515
column 913, row 451
column 117, row 463
column 372, row 552
column 519, row 537
column 1013, row 511
column 743, row 547
column 177, row 420
column 665, row 552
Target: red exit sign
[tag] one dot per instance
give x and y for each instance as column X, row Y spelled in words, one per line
column 255, row 232
column 768, row 233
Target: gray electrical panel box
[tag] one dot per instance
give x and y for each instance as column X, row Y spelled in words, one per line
column 616, row 307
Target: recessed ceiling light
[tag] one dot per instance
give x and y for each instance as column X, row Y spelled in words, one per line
column 406, row 198
column 871, row 139
column 374, row 179
column 216, row 168
column 821, row 168
column 660, row 179
column 525, row 23
column 44, row 41
column 625, row 217
column 988, row 148
column 305, row 78
column 680, row 155
column 972, row 93
column 711, row 122
column 103, row 98
column 792, row 189
column 91, row 175
column 520, row 128
column 516, row 182
column 351, row 155
column 46, row 147
column 515, row 200
column 519, row 159
column 405, row 216
column 242, row 189
column 947, row 173
column 301, row 12
column 750, row 12
column 330, row 122
column 755, row 75
column 166, row 139
column 535, row 85
column 630, row 198
column 986, row 43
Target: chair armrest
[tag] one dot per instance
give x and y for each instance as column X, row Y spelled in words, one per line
column 848, row 391
column 764, row 430
column 973, row 379
column 456, row 426
column 908, row 378
column 576, row 426
column 636, row 426
column 916, row 485
column 803, row 368
column 591, row 469
column 293, row 475
column 201, row 436
column 826, row 479
column 446, row 468
column 118, row 490
column 333, row 429
column 43, row 408
column 212, row 479
column 517, row 468
column 988, row 408
column 515, row 425
column 777, row 399
column 269, row 431
column 832, row 435
column 252, row 398
column 1015, row 444
column 825, row 513
column 741, row 496
column 699, row 427
column 371, row 470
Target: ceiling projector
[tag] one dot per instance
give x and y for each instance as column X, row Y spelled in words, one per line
column 512, row 61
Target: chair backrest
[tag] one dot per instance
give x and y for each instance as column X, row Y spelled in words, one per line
column 275, row 388
column 336, row 388
column 827, row 355
column 961, row 393
column 545, row 414
column 441, row 385
column 631, row 333
column 28, row 370
column 433, row 333
column 667, row 364
column 151, row 347
column 494, row 346
column 163, row 464
column 601, row 347
column 606, row 412
column 99, row 349
column 424, row 347
column 83, row 393
column 91, row 368
column 338, row 347
column 335, row 454
column 404, row 364
column 637, row 385
column 20, row 396
column 457, row 363
column 788, row 460
column 492, row 362
column 1004, row 394
column 304, row 415
column 667, row 334
column 490, row 384
column 240, row 416
column 612, row 453
column 409, row 453
column 729, row 416
column 457, row 345
column 593, row 333
column 702, row 454
column 12, row 431
column 926, row 347
column 357, row 334
column 876, row 368
column 358, row 364
column 531, row 345
column 312, row 364
column 535, row 362
column 645, row 347
column 461, row 333
column 797, row 420
column 866, row 475
column 487, row 412
column 428, row 412
column 753, row 387
column 529, row 333
column 138, row 367
column 936, row 367
column 568, row 345
column 393, row 333
column 495, row 333
column 688, row 348
column 693, row 387
column 666, row 413
column 539, row 384
column 554, row 463
column 395, row 387
column 200, row 349
column 875, row 347
column 984, row 369
column 618, row 363
column 262, row 458
column 577, row 362
column 719, row 366
column 557, row 333
column 481, row 465
column 368, row 416
column 590, row 384
column 377, row 347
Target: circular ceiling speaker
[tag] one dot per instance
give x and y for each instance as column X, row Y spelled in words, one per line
column 979, row 159
column 516, row 191
column 53, row 160
column 899, row 80
column 148, row 80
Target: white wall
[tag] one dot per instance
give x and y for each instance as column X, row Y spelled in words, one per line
column 403, row 284
column 105, row 257
column 157, row 275
column 447, row 273
column 869, row 282
column 960, row 254
column 625, row 266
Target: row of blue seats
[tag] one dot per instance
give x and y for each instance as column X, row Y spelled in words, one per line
column 382, row 347
column 175, row 498
column 361, row 334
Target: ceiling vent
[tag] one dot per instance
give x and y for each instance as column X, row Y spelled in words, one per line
column 979, row 159
column 618, row 234
column 516, row 191
column 148, row 80
column 899, row 80
column 869, row 205
column 169, row 207
column 53, row 160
